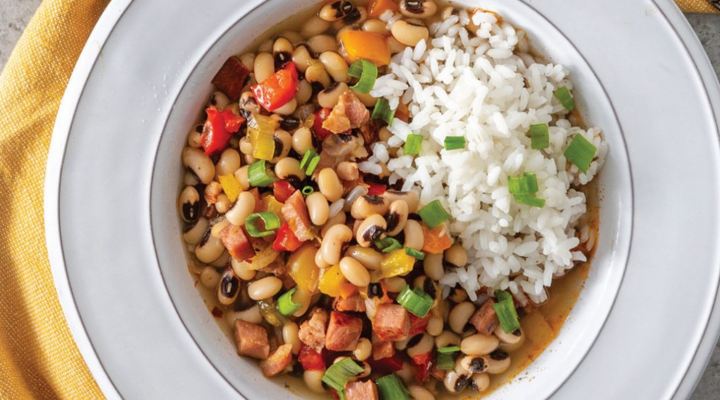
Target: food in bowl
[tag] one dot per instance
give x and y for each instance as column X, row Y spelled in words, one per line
column 383, row 200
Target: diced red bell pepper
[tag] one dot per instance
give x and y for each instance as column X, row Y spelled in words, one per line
column 276, row 90
column 320, row 116
column 385, row 366
column 282, row 190
column 310, row 359
column 232, row 122
column 376, row 189
column 423, row 363
column 335, row 394
column 286, row 239
column 417, row 324
column 215, row 136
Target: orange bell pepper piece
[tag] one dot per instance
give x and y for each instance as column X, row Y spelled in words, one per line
column 380, row 6
column 436, row 240
column 367, row 45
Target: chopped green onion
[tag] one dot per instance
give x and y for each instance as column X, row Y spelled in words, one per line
column 270, row 220
column 454, row 142
column 433, row 214
column 259, row 175
column 415, row 253
column 366, row 72
column 525, row 185
column 382, row 111
column 530, row 201
column 307, row 190
column 580, row 152
column 338, row 375
column 505, row 310
column 539, row 136
column 416, row 301
column 446, row 361
column 413, row 144
column 271, row 314
column 286, row 305
column 309, row 161
column 563, row 94
column 448, row 349
column 388, row 244
column 390, row 387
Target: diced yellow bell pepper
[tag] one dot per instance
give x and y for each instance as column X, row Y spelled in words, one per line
column 397, row 263
column 368, row 45
column 270, row 203
column 331, row 281
column 230, row 186
column 261, row 131
column 303, row 268
column 263, row 258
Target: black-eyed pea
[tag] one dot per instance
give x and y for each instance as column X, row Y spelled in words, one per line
column 209, row 277
column 337, row 219
column 302, row 140
column 455, row 382
column 410, row 197
column 367, row 205
column 480, row 382
column 332, row 243
column 301, row 57
column 474, row 364
column 370, row 230
column 193, row 233
column 320, row 261
column 316, row 72
column 243, row 207
column 354, row 272
column 221, row 261
column 457, row 295
column 314, row 26
column 367, row 99
column 290, row 333
column 397, row 217
column 219, row 100
column 394, row 284
column 448, row 12
column 242, row 177
column 189, row 204
column 283, row 145
column 200, row 164
column 264, row 66
column 368, row 257
column 228, row 162
column 447, row 338
column 209, row 248
column 304, row 299
column 330, row 185
column 288, row 108
column 218, row 227
column 479, row 344
column 433, row 266
column 303, row 92
column 264, row 288
column 375, row 26
column 195, row 136
column 409, row 32
column 242, row 269
column 330, row 96
column 313, row 380
column 228, row 288
column 418, row 392
column 189, row 179
column 336, row 10
column 498, row 362
column 223, row 203
column 459, row 317
column 288, row 167
column 414, row 236
column 266, row 46
column 357, row 16
column 321, row 43
column 335, row 65
column 510, row 341
column 420, row 9
column 282, row 45
column 248, row 61
column 341, row 27
column 395, row 46
column 318, row 208
column 456, row 255
column 363, row 350
column 435, row 326
column 422, row 346
column 248, row 103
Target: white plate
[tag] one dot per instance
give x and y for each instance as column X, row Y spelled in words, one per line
column 114, row 172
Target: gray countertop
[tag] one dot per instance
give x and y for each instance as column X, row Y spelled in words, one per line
column 15, row 14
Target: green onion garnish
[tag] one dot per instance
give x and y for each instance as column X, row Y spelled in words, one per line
column 416, row 301
column 530, row 201
column 307, row 190
column 366, row 72
column 525, row 185
column 446, row 361
column 448, row 349
column 390, row 387
column 415, row 253
column 310, row 161
column 271, row 314
column 259, row 175
column 286, row 305
column 580, row 152
column 382, row 111
column 454, row 142
column 338, row 375
column 388, row 244
column 413, row 144
column 563, row 94
column 433, row 214
column 270, row 220
column 539, row 136
column 505, row 310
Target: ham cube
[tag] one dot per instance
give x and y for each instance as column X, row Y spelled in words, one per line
column 354, row 303
column 252, row 340
column 277, row 361
column 312, row 331
column 343, row 332
column 485, row 320
column 391, row 322
column 361, row 391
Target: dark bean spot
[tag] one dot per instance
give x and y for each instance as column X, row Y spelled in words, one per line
column 498, row 355
column 429, row 288
column 294, row 181
column 332, row 87
column 290, row 123
column 477, row 365
column 414, row 6
column 199, row 128
column 281, row 58
column 516, row 332
column 352, row 17
column 229, row 286
column 189, row 227
column 205, row 237
column 375, row 290
column 374, row 200
column 191, row 211
column 344, row 137
column 414, row 341
column 317, row 87
column 278, row 146
column 392, row 221
column 373, row 233
column 461, row 383
column 414, row 217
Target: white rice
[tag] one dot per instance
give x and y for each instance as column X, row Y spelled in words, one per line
column 487, row 88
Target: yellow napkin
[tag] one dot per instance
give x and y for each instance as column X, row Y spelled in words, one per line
column 38, row 358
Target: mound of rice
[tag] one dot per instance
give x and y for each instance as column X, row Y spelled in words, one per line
column 489, row 89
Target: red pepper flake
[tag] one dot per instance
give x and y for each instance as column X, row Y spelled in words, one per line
column 217, row 313
column 376, row 189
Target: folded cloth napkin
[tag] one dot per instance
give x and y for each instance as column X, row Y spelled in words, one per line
column 38, row 358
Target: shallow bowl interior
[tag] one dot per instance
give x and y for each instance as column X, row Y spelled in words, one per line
column 555, row 365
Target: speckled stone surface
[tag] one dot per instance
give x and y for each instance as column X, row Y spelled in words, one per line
column 15, row 14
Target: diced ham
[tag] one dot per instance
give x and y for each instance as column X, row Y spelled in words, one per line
column 391, row 322
column 252, row 340
column 343, row 332
column 347, row 114
column 277, row 361
column 237, row 243
column 354, row 303
column 361, row 391
column 369, row 131
column 485, row 320
column 231, row 78
column 382, row 349
column 312, row 331
column 295, row 213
